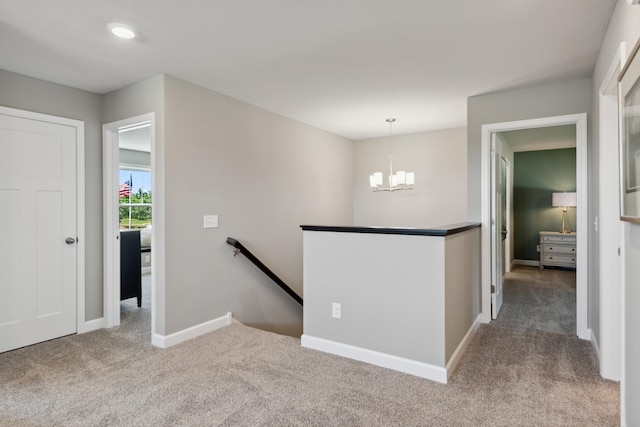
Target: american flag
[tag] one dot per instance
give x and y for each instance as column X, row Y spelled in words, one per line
column 125, row 189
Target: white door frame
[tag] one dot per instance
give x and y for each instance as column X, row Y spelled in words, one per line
column 580, row 121
column 111, row 227
column 610, row 226
column 81, row 324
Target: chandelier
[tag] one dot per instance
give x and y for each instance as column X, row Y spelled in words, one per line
column 400, row 180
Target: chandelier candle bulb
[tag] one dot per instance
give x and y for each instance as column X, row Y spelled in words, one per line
column 376, row 179
column 410, row 178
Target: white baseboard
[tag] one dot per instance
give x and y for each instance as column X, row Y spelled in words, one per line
column 164, row 341
column 526, row 262
column 455, row 357
column 401, row 364
column 408, row 366
column 91, row 325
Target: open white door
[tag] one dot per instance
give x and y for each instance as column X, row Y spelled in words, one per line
column 498, row 224
column 38, row 230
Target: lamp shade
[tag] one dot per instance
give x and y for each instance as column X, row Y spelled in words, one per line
column 562, row 200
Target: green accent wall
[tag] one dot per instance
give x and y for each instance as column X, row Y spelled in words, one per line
column 537, row 174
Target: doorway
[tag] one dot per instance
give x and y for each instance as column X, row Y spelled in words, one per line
column 128, row 211
column 544, row 162
column 488, row 132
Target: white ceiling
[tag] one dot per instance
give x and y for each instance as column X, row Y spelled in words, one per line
column 340, row 65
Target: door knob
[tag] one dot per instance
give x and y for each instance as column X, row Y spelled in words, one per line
column 70, row 241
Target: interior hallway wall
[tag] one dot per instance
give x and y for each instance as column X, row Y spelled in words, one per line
column 26, row 93
column 132, row 101
column 264, row 175
column 556, row 99
column 439, row 197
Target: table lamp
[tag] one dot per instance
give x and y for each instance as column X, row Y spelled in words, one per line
column 564, row 201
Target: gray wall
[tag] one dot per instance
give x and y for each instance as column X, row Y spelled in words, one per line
column 536, row 175
column 462, row 283
column 558, row 99
column 624, row 26
column 422, row 285
column 39, row 96
column 439, row 197
column 131, row 101
column 264, row 175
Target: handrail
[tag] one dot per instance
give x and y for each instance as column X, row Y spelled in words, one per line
column 241, row 249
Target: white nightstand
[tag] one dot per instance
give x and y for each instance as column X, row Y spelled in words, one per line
column 557, row 249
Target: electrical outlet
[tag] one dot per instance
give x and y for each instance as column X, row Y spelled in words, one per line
column 336, row 310
column 538, row 248
column 211, row 221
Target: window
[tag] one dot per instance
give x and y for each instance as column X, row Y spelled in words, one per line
column 135, row 198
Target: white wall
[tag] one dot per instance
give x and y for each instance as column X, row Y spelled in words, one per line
column 624, row 27
column 439, row 160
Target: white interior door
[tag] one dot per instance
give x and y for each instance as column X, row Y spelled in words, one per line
column 498, row 225
column 38, row 231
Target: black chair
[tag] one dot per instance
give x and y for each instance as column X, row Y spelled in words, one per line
column 130, row 266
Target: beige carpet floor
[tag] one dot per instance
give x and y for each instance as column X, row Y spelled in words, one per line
column 525, row 369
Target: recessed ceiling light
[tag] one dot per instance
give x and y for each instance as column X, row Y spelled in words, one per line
column 121, row 30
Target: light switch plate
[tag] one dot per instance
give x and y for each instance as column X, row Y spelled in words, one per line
column 211, row 221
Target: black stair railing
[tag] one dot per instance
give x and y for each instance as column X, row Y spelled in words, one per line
column 251, row 257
